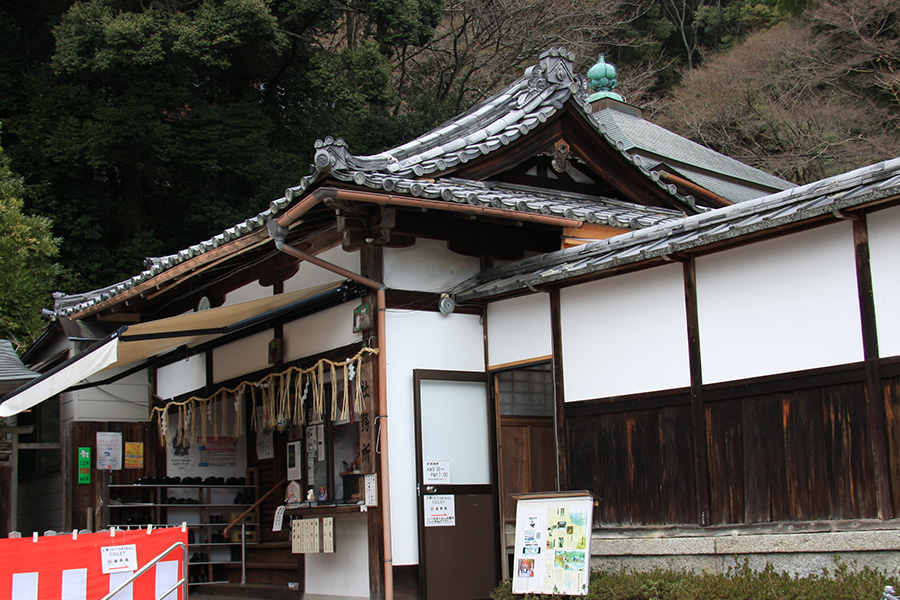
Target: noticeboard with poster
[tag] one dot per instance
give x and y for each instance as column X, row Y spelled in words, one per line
column 553, row 543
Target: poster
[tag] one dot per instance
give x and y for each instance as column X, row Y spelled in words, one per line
column 134, row 455
column 552, row 552
column 217, row 452
column 294, row 461
column 265, row 442
column 109, row 450
column 440, row 510
column 84, row 465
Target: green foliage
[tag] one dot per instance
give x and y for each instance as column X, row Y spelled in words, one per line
column 27, row 269
column 739, row 583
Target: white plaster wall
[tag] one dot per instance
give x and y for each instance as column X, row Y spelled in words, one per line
column 884, row 248
column 323, row 331
column 124, row 400
column 780, row 305
column 244, row 356
column 419, row 340
column 345, row 573
column 519, row 329
column 625, row 335
column 427, row 266
column 251, row 291
column 181, row 377
column 309, row 275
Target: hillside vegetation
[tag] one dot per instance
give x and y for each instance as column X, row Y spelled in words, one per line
column 141, row 126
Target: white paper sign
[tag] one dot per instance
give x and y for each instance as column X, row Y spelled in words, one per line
column 279, row 518
column 440, row 511
column 437, row 471
column 109, row 450
column 117, row 559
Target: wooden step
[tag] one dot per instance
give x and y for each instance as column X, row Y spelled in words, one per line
column 258, row 591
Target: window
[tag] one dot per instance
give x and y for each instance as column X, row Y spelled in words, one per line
column 39, row 451
column 526, row 392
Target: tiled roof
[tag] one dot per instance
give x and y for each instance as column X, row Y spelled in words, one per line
column 12, row 371
column 657, row 145
column 69, row 304
column 525, row 104
column 541, row 92
column 875, row 182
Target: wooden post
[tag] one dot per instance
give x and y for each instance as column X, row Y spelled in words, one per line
column 698, row 414
column 875, row 410
column 562, row 439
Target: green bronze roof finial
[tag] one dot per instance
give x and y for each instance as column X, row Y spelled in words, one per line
column 602, row 79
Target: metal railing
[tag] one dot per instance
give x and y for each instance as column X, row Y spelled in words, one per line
column 240, row 520
column 183, row 582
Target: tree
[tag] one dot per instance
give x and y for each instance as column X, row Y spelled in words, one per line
column 775, row 103
column 27, row 268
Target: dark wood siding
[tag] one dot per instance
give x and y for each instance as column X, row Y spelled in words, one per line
column 776, row 451
column 638, row 462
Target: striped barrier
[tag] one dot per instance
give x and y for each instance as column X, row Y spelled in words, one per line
column 89, row 566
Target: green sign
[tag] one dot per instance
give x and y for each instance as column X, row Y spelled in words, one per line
column 84, row 465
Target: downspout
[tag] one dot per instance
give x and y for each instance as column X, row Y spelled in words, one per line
column 278, row 232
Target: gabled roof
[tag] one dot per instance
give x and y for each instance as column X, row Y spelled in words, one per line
column 660, row 148
column 428, row 167
column 822, row 198
column 526, row 104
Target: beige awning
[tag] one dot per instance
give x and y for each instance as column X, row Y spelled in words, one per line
column 135, row 343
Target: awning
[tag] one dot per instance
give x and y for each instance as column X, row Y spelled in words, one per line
column 134, row 343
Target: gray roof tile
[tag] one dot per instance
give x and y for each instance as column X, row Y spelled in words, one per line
column 871, row 183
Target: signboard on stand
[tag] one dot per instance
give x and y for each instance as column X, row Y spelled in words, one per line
column 553, row 543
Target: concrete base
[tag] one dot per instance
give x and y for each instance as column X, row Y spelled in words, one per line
column 801, row 548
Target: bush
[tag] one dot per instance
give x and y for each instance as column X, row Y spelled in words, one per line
column 740, row 583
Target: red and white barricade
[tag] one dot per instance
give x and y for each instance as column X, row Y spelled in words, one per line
column 91, row 565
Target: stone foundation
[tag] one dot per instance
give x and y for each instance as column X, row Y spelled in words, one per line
column 797, row 548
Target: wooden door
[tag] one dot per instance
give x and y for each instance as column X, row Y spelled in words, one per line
column 457, row 493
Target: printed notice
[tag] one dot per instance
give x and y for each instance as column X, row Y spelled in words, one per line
column 118, row 559
column 437, row 471
column 217, row 452
column 134, row 455
column 109, row 450
column 440, row 511
column 552, row 545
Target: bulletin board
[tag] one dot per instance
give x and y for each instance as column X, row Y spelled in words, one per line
column 553, row 543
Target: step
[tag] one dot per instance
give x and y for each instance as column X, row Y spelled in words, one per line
column 247, row 591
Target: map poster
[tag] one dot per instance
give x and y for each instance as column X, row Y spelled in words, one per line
column 553, row 536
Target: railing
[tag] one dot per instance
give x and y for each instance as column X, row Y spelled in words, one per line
column 240, row 520
column 183, row 582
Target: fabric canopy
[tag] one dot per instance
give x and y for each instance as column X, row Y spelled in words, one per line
column 135, row 343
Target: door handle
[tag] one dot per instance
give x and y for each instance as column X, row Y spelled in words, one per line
column 430, row 489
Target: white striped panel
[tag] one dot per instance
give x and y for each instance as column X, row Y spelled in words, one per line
column 115, row 579
column 166, row 576
column 74, row 584
column 24, row 586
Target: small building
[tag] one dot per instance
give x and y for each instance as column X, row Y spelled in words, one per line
column 548, row 292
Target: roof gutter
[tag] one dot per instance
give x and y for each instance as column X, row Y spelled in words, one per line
column 322, row 194
column 278, row 230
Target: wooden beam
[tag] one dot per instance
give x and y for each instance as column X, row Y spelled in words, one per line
column 562, row 437
column 875, row 397
column 698, row 412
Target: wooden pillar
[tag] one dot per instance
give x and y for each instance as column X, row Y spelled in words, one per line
column 875, row 409
column 562, row 438
column 698, row 414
